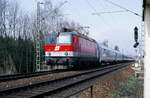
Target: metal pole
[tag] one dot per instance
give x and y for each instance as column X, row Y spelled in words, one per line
column 147, row 51
column 91, row 91
column 38, row 66
column 141, row 47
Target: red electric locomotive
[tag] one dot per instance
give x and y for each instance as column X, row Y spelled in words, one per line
column 70, row 48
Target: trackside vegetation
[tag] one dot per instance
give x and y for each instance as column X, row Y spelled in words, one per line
column 125, row 89
column 16, row 55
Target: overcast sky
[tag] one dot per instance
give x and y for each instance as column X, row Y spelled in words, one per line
column 117, row 28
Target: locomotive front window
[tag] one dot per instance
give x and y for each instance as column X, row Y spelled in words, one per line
column 64, row 39
column 51, row 39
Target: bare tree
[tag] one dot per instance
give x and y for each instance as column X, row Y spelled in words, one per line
column 20, row 30
column 13, row 18
column 3, row 11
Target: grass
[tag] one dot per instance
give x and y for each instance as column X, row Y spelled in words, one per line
column 125, row 88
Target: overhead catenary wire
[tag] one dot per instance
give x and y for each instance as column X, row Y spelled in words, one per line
column 108, row 12
column 87, row 1
column 93, row 8
column 122, row 7
column 104, row 6
column 108, row 26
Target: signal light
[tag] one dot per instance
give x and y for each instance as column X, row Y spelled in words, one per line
column 136, row 44
column 136, row 34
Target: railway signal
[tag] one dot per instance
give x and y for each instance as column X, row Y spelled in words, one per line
column 136, row 34
column 136, row 44
column 136, row 37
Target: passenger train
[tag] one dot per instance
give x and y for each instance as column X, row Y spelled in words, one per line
column 75, row 49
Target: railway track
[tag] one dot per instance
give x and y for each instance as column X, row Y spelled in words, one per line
column 40, row 89
column 5, row 78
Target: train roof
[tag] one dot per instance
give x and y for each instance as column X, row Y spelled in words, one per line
column 74, row 33
column 79, row 34
column 107, row 48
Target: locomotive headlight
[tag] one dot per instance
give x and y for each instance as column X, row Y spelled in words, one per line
column 66, row 53
column 46, row 53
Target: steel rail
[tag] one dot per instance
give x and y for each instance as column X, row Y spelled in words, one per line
column 4, row 78
column 101, row 71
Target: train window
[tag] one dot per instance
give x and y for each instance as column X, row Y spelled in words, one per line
column 64, row 39
column 51, row 39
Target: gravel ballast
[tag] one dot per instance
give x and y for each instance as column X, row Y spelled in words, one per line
column 106, row 86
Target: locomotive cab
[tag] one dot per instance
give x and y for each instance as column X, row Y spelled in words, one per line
column 59, row 49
